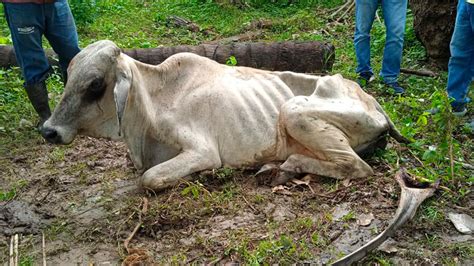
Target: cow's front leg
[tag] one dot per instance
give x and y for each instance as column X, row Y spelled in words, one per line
column 168, row 173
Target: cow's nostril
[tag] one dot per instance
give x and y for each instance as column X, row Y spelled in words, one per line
column 50, row 134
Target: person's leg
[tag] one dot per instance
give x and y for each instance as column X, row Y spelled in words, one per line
column 394, row 14
column 471, row 19
column 365, row 14
column 61, row 33
column 462, row 56
column 26, row 26
column 26, row 23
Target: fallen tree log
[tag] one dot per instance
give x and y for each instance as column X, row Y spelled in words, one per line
column 304, row 57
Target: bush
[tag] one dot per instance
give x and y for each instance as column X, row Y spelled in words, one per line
column 84, row 11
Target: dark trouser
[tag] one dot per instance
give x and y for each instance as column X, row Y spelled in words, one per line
column 461, row 63
column 28, row 23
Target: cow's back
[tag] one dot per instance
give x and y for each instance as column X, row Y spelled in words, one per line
column 235, row 108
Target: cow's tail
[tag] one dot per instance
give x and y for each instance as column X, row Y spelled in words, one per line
column 392, row 131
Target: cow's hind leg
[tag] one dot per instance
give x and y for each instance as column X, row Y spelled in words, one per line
column 168, row 173
column 328, row 150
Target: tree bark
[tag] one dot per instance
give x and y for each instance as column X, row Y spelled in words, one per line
column 434, row 24
column 304, row 57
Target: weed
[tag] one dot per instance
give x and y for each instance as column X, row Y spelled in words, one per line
column 178, row 259
column 431, row 212
column 259, row 198
column 57, row 154
column 193, row 189
column 277, row 250
column 56, row 228
column 27, row 260
column 231, row 61
column 349, row 216
column 433, row 241
column 229, row 191
column 462, row 250
column 303, row 223
column 377, row 258
column 318, row 240
column 224, row 172
column 9, row 194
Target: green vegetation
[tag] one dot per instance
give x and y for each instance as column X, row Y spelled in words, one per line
column 11, row 193
column 441, row 142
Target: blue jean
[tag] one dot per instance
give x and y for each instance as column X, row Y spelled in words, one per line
column 461, row 62
column 394, row 14
column 28, row 23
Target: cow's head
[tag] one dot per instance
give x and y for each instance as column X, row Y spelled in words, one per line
column 94, row 96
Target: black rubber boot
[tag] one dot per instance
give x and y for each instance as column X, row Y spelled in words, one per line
column 38, row 95
column 64, row 75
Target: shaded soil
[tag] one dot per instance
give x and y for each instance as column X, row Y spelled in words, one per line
column 83, row 198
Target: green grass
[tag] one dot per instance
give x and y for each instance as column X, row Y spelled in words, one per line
column 11, row 193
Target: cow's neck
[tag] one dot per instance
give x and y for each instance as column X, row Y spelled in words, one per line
column 142, row 107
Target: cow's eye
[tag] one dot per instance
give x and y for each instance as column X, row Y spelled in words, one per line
column 95, row 91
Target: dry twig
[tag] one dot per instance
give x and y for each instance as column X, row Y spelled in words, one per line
column 343, row 7
column 347, row 11
column 250, row 205
column 451, row 157
column 43, row 248
column 132, row 234
column 377, row 16
column 12, row 259
column 15, row 243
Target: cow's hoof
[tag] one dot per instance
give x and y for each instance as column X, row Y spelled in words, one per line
column 153, row 183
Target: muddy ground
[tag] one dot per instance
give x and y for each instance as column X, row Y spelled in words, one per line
column 84, row 199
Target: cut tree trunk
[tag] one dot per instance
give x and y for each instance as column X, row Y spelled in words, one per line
column 304, row 57
column 434, row 24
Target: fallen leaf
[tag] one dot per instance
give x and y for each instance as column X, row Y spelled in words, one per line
column 307, row 178
column 365, row 219
column 299, row 182
column 303, row 182
column 281, row 190
column 389, row 246
column 346, row 182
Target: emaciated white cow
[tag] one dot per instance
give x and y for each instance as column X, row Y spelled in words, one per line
column 190, row 114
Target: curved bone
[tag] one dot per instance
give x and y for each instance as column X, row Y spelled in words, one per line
column 412, row 196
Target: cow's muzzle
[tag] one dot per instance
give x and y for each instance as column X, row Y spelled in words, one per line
column 51, row 135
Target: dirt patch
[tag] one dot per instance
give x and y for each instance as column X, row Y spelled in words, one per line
column 17, row 217
column 84, row 198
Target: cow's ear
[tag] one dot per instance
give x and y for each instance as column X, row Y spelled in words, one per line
column 121, row 89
